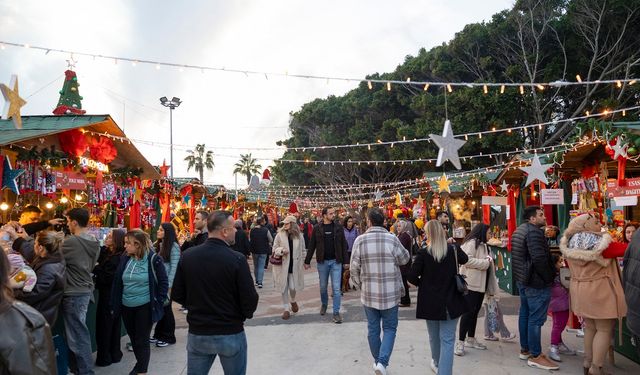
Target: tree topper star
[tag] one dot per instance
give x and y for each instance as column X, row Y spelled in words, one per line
column 536, row 171
column 13, row 102
column 448, row 145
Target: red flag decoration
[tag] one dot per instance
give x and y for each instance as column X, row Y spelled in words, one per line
column 511, row 223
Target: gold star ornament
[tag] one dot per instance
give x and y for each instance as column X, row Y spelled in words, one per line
column 13, row 102
column 443, row 184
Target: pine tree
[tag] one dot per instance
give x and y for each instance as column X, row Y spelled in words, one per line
column 70, row 102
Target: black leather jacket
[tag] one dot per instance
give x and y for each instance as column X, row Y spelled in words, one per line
column 531, row 259
column 26, row 347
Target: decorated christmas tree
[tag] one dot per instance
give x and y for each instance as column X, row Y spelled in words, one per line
column 70, row 102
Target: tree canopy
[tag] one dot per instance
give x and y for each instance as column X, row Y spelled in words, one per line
column 199, row 159
column 535, row 41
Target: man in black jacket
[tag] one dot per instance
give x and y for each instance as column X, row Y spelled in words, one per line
column 200, row 234
column 631, row 283
column 330, row 245
column 214, row 282
column 534, row 272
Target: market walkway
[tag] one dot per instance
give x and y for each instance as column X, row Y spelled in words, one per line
column 311, row 344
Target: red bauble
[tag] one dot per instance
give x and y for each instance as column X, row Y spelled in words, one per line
column 84, row 169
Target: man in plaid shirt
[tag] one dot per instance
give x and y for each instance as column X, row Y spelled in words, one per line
column 375, row 269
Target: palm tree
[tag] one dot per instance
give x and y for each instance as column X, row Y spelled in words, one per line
column 199, row 160
column 247, row 166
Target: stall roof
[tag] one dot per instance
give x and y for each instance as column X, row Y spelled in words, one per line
column 36, row 127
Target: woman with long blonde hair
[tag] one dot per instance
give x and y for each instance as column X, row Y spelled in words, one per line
column 139, row 291
column 439, row 301
column 289, row 275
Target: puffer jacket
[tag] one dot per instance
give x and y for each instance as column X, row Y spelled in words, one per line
column 26, row 346
column 531, row 259
column 49, row 289
column 631, row 283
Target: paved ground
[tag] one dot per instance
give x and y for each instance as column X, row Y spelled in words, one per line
column 311, row 344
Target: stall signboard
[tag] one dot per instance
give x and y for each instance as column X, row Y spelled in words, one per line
column 494, row 201
column 632, row 188
column 552, row 196
column 70, row 180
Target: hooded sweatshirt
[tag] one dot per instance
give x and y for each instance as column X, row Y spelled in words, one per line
column 81, row 255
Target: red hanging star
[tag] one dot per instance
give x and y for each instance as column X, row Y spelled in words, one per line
column 164, row 168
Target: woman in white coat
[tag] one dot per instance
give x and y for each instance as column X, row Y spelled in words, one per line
column 289, row 276
column 480, row 275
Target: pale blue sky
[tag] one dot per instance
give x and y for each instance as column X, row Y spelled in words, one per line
column 332, row 37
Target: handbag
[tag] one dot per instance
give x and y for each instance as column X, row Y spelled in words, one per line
column 275, row 260
column 461, row 283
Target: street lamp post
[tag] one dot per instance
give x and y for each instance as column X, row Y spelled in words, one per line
column 171, row 104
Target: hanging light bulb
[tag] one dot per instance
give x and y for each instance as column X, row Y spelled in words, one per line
column 78, row 197
column 49, row 205
column 64, row 200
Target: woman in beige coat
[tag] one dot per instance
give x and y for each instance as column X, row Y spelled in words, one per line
column 595, row 288
column 289, row 276
column 480, row 276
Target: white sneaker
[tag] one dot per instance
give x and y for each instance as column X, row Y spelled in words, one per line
column 554, row 353
column 472, row 342
column 564, row 349
column 380, row 369
column 459, row 349
column 434, row 368
column 509, row 338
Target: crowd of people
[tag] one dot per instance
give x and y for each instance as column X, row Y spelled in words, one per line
column 45, row 273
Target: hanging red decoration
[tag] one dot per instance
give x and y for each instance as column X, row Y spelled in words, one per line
column 73, row 142
column 103, row 150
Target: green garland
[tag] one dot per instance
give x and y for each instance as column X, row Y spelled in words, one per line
column 48, row 156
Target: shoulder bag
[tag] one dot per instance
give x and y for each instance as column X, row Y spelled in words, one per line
column 461, row 283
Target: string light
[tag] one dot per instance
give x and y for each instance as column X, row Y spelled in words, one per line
column 426, row 87
column 388, row 86
column 485, row 89
column 501, row 89
column 370, row 85
column 449, row 88
column 578, row 78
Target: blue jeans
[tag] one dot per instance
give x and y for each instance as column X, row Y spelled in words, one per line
column 381, row 349
column 74, row 313
column 442, row 336
column 333, row 268
column 258, row 266
column 534, row 304
column 202, row 351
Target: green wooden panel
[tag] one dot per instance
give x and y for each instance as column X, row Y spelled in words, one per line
column 504, row 275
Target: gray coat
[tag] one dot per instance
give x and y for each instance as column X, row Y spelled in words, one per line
column 81, row 255
column 631, row 283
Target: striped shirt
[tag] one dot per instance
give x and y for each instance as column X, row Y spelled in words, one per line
column 375, row 268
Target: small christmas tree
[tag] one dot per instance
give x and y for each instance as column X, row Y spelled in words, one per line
column 70, row 102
